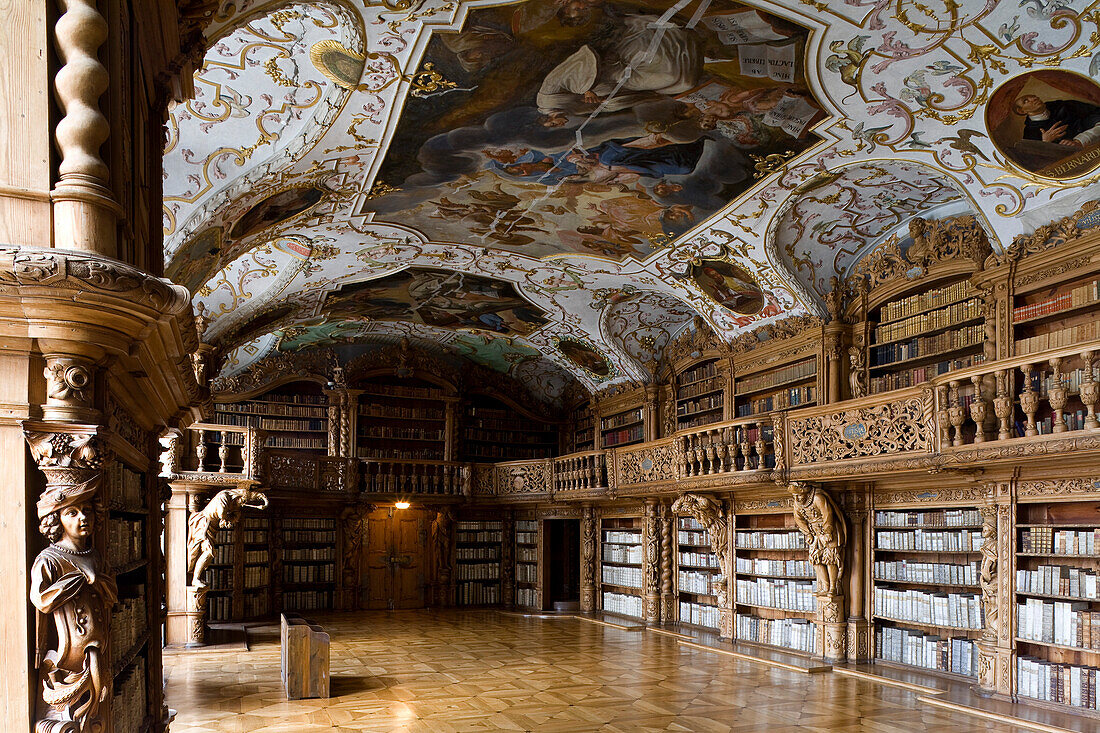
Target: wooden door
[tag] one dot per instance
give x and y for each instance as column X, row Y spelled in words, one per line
column 395, row 561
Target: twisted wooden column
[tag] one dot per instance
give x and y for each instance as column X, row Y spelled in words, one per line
column 588, row 560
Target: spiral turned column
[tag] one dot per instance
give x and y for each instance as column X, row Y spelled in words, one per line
column 85, row 212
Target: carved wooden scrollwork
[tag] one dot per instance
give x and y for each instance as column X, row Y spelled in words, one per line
column 879, row 430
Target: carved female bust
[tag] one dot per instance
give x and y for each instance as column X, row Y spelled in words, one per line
column 70, row 589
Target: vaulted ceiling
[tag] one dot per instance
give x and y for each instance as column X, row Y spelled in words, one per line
column 555, row 188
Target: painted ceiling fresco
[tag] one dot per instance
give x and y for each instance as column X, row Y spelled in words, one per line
column 608, row 160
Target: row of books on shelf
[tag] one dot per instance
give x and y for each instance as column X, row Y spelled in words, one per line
column 950, row 315
column 790, row 595
column 699, row 614
column 930, row 540
column 129, row 620
column 757, row 540
column 219, row 608
column 794, row 372
column 281, row 441
column 478, row 571
column 1068, row 684
column 693, row 537
column 222, row 418
column 1059, row 580
column 387, row 390
column 223, row 554
column 1081, row 295
column 124, row 487
column 307, row 600
column 527, row 554
column 906, row 646
column 513, row 437
column 511, row 425
column 1070, row 336
column 256, row 604
column 257, row 576
column 282, row 409
column 1045, row 426
column 219, row 578
column 631, row 554
column 791, row 633
column 427, row 454
column 256, row 556
column 309, row 573
column 691, row 524
column 699, row 420
column 907, row 571
column 699, row 559
column 701, row 388
column 310, row 523
column 527, row 573
column 702, row 371
column 479, row 535
column 474, row 526
column 129, row 704
column 1072, row 380
column 1052, row 541
column 310, row 553
column 622, row 604
column 527, row 525
column 927, row 345
column 125, row 541
column 477, row 594
column 938, row 518
column 794, row 397
column 762, row 566
column 478, row 553
column 693, row 581
column 527, row 597
column 623, row 418
column 310, row 536
column 920, row 375
column 380, row 432
column 492, row 413
column 957, row 610
column 402, row 411
column 484, row 452
column 1067, row 623
column 255, row 536
column 302, row 424
column 927, row 300
column 690, row 407
column 619, row 437
column 622, row 537
column 527, row 538
column 628, row 577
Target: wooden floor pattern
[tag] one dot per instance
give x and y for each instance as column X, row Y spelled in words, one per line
column 486, row 671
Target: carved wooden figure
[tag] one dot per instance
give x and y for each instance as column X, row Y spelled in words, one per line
column 73, row 594
column 222, row 512
column 819, row 519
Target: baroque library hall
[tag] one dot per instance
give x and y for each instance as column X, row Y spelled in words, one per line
column 550, row 365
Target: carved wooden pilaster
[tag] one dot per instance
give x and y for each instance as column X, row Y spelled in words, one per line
column 443, row 531
column 996, row 656
column 508, row 560
column 651, row 412
column 355, row 526
column 651, row 564
column 588, row 560
column 711, row 513
column 834, row 355
column 334, row 411
column 668, row 567
column 821, row 522
column 857, row 508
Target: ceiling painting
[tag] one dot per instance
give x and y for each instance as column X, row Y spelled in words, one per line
column 585, row 356
column 438, row 298
column 548, row 144
column 835, row 125
column 731, row 287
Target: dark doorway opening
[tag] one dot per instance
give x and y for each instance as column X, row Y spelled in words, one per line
column 563, row 564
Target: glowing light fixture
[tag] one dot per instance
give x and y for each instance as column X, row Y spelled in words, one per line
column 402, row 505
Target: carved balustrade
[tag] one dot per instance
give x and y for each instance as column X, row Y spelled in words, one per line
column 382, row 476
column 580, row 471
column 740, row 445
column 1055, row 392
column 216, row 451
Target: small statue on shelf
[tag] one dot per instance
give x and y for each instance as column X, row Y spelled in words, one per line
column 855, row 375
column 820, row 521
column 70, row 586
column 223, row 512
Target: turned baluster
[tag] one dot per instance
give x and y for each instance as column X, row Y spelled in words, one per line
column 729, row 452
column 956, row 412
column 978, row 409
column 1029, row 401
column 1057, row 395
column 1002, row 406
column 687, row 455
column 200, row 451
column 760, row 446
column 1090, row 391
column 943, row 419
column 746, row 460
column 712, row 466
column 223, row 451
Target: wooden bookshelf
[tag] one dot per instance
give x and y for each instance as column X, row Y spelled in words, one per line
column 1056, row 315
column 626, row 427
column 1057, row 602
column 306, row 563
column 401, row 419
column 917, row 336
column 294, row 416
column 492, row 431
column 528, row 537
column 773, row 586
column 477, row 562
column 582, row 427
column 621, row 566
column 778, row 388
column 926, row 596
column 697, row 573
column 700, row 395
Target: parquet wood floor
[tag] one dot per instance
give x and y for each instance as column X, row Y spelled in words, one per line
column 485, row 671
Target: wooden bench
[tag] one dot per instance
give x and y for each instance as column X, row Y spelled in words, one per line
column 303, row 658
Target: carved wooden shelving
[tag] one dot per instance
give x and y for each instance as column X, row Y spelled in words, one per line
column 698, row 575
column 621, row 561
column 478, row 556
column 528, row 536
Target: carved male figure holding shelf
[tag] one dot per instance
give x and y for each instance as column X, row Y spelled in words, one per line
column 816, row 515
column 223, row 512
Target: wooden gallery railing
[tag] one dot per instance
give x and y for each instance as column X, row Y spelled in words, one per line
column 740, row 445
column 213, row 453
column 385, row 476
column 580, row 471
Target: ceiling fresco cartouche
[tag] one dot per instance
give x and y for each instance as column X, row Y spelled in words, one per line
column 585, row 98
